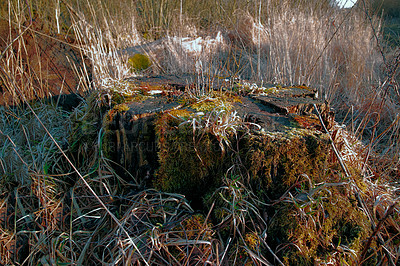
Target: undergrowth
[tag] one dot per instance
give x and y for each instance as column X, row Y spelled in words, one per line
column 62, row 201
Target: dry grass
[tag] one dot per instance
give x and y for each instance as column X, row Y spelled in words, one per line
column 57, row 211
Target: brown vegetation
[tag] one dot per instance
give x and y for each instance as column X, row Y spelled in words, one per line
column 72, row 192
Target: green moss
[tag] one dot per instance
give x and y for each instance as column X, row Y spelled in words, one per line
column 276, row 162
column 217, row 100
column 194, row 225
column 191, row 161
column 204, row 106
column 185, row 164
column 252, row 241
column 139, row 62
column 120, row 108
column 124, row 96
column 313, row 227
column 328, row 226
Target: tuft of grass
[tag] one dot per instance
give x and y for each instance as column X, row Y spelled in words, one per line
column 49, row 208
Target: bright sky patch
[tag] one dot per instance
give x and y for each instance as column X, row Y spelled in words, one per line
column 346, row 3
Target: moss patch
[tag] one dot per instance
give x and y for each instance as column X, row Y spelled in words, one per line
column 328, row 226
column 277, row 161
column 139, row 62
column 190, row 160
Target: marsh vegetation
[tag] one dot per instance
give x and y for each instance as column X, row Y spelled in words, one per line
column 210, row 187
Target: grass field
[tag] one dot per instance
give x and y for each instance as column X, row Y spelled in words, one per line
column 61, row 200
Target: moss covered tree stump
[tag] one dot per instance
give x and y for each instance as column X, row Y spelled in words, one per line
column 270, row 140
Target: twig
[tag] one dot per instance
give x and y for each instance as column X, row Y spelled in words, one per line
column 375, row 35
column 388, row 212
column 13, row 41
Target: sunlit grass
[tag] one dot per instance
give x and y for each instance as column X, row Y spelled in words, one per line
column 59, row 214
